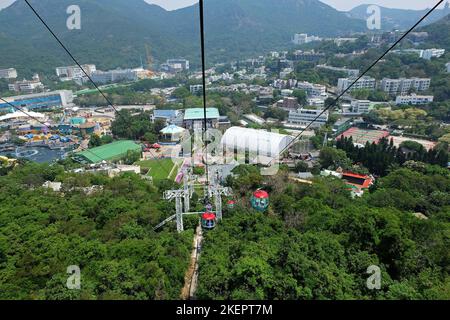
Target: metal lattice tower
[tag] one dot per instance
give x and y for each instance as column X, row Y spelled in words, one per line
column 188, row 189
column 216, row 191
column 178, row 195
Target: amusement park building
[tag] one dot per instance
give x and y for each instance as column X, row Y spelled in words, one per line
column 44, row 100
column 260, row 142
column 109, row 152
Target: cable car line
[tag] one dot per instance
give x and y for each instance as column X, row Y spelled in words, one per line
column 70, row 54
column 39, row 121
column 333, row 104
column 79, row 65
column 205, row 121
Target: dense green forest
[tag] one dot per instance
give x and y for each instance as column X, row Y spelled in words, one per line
column 108, row 234
column 380, row 157
column 316, row 242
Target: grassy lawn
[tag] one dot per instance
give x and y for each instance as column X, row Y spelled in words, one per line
column 159, row 169
column 178, row 163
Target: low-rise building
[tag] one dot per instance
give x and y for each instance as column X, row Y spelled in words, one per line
column 117, row 75
column 168, row 116
column 413, row 100
column 196, row 88
column 305, row 117
column 424, row 54
column 310, row 56
column 9, row 73
column 316, row 102
column 312, row 89
column 27, row 86
column 44, row 100
column 75, row 72
column 432, row 53
column 194, row 118
column 175, row 65
column 403, row 86
column 360, row 106
column 349, row 72
column 288, row 103
column 302, row 38
column 365, row 82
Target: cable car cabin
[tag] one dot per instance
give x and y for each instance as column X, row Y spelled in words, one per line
column 208, row 220
column 260, row 200
column 231, row 204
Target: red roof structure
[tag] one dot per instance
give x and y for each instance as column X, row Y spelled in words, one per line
column 358, row 180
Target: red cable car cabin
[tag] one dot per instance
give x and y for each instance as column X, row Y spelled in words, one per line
column 208, row 220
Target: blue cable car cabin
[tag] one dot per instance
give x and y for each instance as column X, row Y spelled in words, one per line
column 260, row 200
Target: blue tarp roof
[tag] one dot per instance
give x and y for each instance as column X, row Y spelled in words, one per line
column 165, row 113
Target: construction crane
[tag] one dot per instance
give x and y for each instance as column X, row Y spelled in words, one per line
column 148, row 52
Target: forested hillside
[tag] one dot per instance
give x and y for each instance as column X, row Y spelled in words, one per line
column 317, row 243
column 439, row 32
column 108, row 234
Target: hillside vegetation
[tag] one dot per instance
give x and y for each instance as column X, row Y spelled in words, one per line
column 317, row 243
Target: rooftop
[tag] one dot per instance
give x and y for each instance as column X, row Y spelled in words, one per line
column 110, row 151
column 165, row 113
column 198, row 113
column 172, row 129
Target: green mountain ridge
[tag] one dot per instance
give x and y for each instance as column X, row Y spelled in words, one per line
column 401, row 19
column 439, row 33
column 114, row 33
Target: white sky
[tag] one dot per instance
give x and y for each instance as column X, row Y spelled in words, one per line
column 338, row 4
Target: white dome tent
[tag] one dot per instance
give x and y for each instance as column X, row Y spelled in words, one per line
column 264, row 144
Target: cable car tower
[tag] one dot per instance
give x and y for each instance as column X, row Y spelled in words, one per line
column 216, row 191
column 180, row 196
column 183, row 196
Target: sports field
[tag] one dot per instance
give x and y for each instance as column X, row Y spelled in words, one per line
column 361, row 136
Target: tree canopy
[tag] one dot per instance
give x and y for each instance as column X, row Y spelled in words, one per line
column 316, row 243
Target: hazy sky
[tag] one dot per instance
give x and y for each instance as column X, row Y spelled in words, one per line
column 338, row 4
